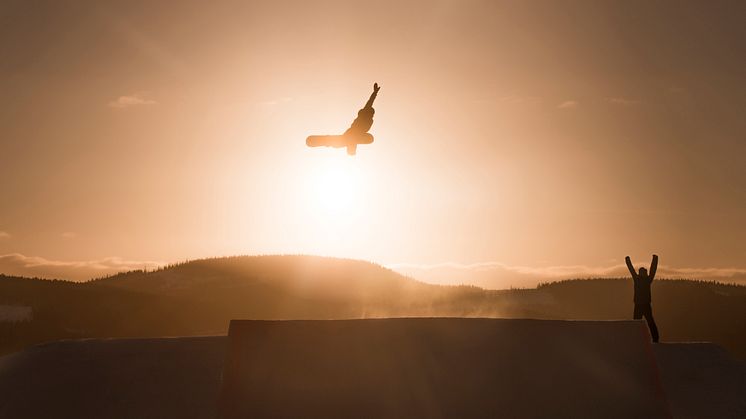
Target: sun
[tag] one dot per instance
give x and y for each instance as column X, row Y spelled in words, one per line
column 336, row 187
column 331, row 204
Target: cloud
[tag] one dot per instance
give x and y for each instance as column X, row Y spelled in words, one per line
column 16, row 264
column 622, row 101
column 496, row 275
column 568, row 104
column 520, row 100
column 135, row 99
column 4, row 235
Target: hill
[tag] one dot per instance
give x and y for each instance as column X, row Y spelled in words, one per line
column 200, row 297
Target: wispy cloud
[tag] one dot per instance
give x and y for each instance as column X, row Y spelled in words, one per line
column 135, row 99
column 568, row 104
column 4, row 235
column 622, row 101
column 272, row 106
column 33, row 266
column 520, row 100
column 498, row 275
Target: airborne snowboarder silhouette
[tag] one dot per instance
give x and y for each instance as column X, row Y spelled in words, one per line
column 356, row 134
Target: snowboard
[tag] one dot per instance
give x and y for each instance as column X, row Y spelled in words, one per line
column 338, row 141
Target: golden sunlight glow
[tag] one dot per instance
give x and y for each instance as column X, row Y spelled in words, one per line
column 330, row 196
column 489, row 120
column 336, row 187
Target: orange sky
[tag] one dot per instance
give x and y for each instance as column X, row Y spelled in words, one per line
column 530, row 139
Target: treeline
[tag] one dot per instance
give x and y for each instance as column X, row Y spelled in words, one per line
column 200, row 297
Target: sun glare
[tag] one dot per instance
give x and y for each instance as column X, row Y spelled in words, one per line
column 336, row 187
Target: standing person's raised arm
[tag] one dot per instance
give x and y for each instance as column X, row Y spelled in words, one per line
column 373, row 95
column 630, row 267
column 653, row 267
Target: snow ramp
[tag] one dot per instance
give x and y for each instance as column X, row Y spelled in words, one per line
column 440, row 368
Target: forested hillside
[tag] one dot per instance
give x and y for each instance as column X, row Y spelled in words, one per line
column 200, row 297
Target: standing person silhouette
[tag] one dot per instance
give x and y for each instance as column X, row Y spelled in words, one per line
column 642, row 280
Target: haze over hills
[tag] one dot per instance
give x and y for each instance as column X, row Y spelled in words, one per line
column 200, row 297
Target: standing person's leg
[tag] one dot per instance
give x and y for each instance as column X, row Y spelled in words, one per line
column 651, row 323
column 637, row 314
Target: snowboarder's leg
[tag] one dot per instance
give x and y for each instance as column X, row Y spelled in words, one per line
column 365, row 139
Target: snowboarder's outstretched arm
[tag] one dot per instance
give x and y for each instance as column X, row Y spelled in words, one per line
column 630, row 267
column 653, row 267
column 373, row 95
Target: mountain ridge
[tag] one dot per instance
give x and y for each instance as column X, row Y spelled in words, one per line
column 200, row 297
